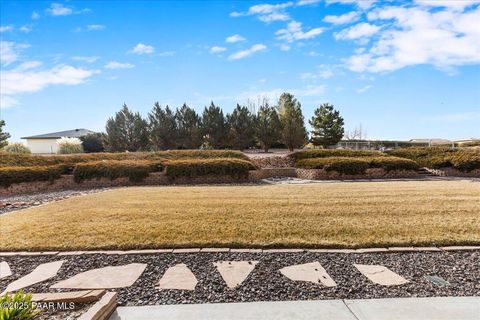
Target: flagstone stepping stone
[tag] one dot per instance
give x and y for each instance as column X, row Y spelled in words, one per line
column 178, row 277
column 5, row 270
column 234, row 272
column 380, row 275
column 310, row 272
column 104, row 278
column 83, row 296
column 40, row 273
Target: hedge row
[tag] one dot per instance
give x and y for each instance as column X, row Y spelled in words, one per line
column 353, row 166
column 236, row 168
column 134, row 170
column 324, row 153
column 11, row 175
column 69, row 161
column 464, row 160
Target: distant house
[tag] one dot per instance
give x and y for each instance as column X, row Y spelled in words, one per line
column 47, row 143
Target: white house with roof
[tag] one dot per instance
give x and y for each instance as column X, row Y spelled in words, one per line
column 47, row 143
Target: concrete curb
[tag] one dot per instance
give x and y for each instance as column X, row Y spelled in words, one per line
column 239, row 250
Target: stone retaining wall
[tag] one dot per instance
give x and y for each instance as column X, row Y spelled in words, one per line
column 451, row 172
column 320, row 174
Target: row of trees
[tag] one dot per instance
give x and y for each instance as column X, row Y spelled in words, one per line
column 183, row 128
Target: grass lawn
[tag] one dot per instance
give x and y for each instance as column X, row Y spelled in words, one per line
column 358, row 214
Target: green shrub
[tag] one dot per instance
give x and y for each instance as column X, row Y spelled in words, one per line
column 237, row 168
column 392, row 163
column 16, row 148
column 134, row 170
column 10, row 175
column 323, row 153
column 342, row 165
column 92, row 142
column 17, row 307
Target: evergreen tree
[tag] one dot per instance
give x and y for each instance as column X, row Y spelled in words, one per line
column 327, row 126
column 163, row 128
column 126, row 131
column 293, row 133
column 93, row 142
column 3, row 135
column 214, row 127
column 189, row 128
column 242, row 128
column 267, row 127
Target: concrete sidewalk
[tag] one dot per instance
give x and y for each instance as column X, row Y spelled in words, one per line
column 441, row 308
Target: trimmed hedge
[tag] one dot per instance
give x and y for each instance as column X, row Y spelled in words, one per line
column 324, row 153
column 69, row 161
column 352, row 166
column 11, row 175
column 342, row 165
column 464, row 160
column 236, row 168
column 135, row 171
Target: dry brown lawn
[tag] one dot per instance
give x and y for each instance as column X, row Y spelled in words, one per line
column 357, row 214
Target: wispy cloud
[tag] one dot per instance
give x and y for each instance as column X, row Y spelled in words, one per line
column 118, row 65
column 267, row 12
column 358, row 31
column 9, row 51
column 6, row 28
column 89, row 59
column 248, row 52
column 342, row 19
column 92, row 27
column 58, row 9
column 217, row 49
column 294, row 32
column 35, row 15
column 143, row 49
column 235, row 38
column 364, row 89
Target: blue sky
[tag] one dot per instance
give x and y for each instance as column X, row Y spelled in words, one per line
column 401, row 69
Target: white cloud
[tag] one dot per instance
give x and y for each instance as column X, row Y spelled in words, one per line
column 324, row 72
column 363, row 89
column 235, row 38
column 89, row 59
column 416, row 35
column 143, row 49
column 285, row 47
column 267, row 12
column 27, row 65
column 6, row 28
column 35, row 15
column 307, row 2
column 248, row 52
column 26, row 28
column 343, row 19
column 118, row 65
column 92, row 27
column 361, row 30
column 362, row 4
column 166, row 54
column 216, row 49
column 451, row 4
column 58, row 9
column 294, row 32
column 27, row 80
column 9, row 51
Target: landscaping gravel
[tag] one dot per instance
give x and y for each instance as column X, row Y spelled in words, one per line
column 17, row 202
column 460, row 269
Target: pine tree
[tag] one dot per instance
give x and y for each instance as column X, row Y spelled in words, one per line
column 126, row 131
column 242, row 128
column 3, row 135
column 214, row 127
column 294, row 133
column 268, row 126
column 327, row 126
column 163, row 128
column 189, row 128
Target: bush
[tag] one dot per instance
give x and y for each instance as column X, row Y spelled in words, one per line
column 17, row 307
column 69, row 145
column 392, row 163
column 17, row 147
column 342, row 165
column 134, row 170
column 323, row 153
column 236, row 168
column 10, row 175
column 466, row 161
column 92, row 142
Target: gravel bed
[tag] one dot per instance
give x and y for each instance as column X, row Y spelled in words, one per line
column 17, row 202
column 460, row 269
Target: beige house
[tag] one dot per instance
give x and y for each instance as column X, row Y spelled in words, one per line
column 47, row 143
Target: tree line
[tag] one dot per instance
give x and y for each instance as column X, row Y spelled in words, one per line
column 184, row 128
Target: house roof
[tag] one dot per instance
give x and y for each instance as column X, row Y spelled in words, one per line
column 75, row 133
